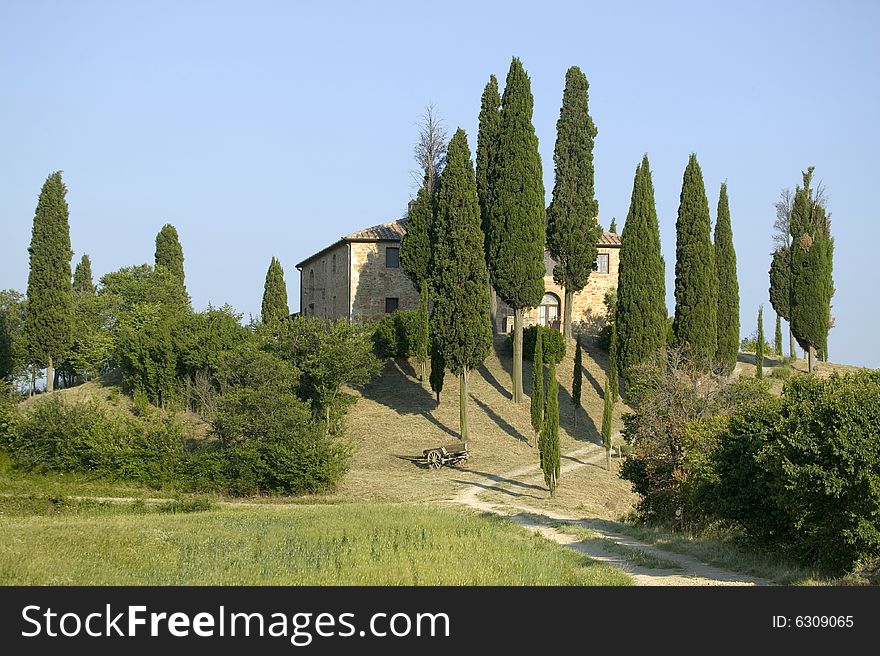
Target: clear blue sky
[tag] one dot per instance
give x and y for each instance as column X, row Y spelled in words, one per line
column 263, row 129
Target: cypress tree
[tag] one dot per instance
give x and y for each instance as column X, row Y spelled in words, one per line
column 537, row 406
column 169, row 253
column 460, row 314
column 274, row 306
column 607, row 413
column 759, row 346
column 612, row 364
column 487, row 141
column 696, row 286
column 780, row 289
column 613, row 227
column 548, row 442
column 423, row 335
column 728, row 286
column 82, row 277
column 49, row 318
column 573, row 229
column 811, row 263
column 640, row 315
column 438, row 369
column 577, row 380
column 777, row 343
column 517, row 214
column 415, row 247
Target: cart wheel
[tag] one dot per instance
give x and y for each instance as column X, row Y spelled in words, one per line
column 434, row 461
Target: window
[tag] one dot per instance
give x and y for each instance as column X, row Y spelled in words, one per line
column 334, row 262
column 602, row 263
column 392, row 258
column 391, row 303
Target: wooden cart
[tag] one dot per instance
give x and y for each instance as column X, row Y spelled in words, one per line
column 451, row 455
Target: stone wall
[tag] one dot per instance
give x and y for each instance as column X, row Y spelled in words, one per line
column 372, row 282
column 588, row 307
column 324, row 284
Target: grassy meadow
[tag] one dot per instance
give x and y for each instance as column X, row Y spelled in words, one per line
column 345, row 544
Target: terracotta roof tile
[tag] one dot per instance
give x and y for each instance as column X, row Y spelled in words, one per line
column 391, row 231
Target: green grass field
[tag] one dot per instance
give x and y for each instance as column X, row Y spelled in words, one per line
column 346, row 544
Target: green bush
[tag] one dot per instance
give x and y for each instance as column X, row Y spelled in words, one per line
column 829, row 452
column 698, row 478
column 396, row 334
column 750, row 344
column 552, row 342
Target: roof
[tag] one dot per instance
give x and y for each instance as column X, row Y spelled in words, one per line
column 395, row 230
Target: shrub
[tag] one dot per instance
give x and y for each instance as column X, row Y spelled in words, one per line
column 552, row 343
column 698, row 479
column 830, row 455
column 396, row 335
column 750, row 344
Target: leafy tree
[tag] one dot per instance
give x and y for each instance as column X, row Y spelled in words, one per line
column 573, row 228
column 49, row 321
column 811, row 262
column 607, row 413
column 460, row 314
column 549, row 441
column 146, row 353
column 415, row 247
column 517, row 216
column 640, row 314
column 274, row 306
column 696, row 284
column 728, row 286
column 759, row 347
column 128, row 287
column 777, row 343
column 613, row 227
column 577, row 380
column 537, row 403
column 328, row 357
column 13, row 347
column 82, row 277
column 169, row 253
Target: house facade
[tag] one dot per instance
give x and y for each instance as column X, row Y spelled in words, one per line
column 359, row 277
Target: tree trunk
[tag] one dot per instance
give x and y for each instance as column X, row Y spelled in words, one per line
column 608, row 458
column 517, row 355
column 462, row 405
column 50, row 376
column 33, row 385
column 811, row 358
column 552, row 484
column 792, row 348
column 566, row 314
column 493, row 306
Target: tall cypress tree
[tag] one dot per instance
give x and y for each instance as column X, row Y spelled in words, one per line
column 548, row 443
column 423, row 332
column 607, row 413
column 612, row 364
column 274, row 307
column 696, row 286
column 487, row 142
column 640, row 316
column 49, row 319
column 415, row 247
column 82, row 277
column 811, row 263
column 728, row 286
column 573, row 229
column 577, row 380
column 169, row 252
column 777, row 341
column 613, row 227
column 438, row 369
column 537, row 401
column 516, row 214
column 780, row 288
column 759, row 345
column 460, row 314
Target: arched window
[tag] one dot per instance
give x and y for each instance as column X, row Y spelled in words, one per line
column 548, row 311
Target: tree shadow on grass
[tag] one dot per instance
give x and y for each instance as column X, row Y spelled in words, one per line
column 403, row 393
column 490, row 378
column 499, row 420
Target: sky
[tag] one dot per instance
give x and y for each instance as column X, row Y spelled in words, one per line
column 263, row 129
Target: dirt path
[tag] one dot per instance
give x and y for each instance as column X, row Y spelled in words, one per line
column 645, row 563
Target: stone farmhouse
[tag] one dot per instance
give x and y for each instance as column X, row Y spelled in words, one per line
column 359, row 277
